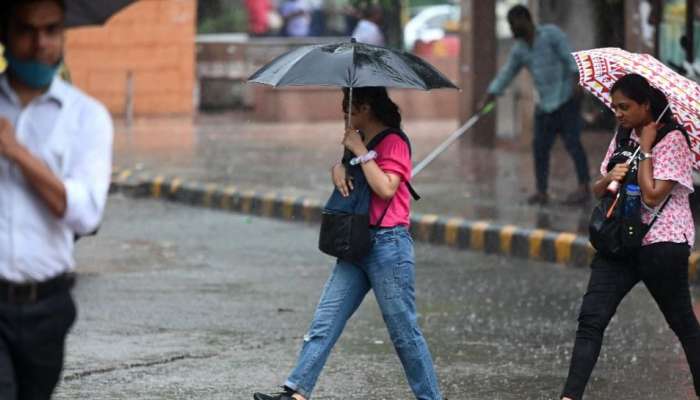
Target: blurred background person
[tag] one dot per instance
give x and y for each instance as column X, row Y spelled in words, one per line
column 297, row 18
column 368, row 29
column 258, row 17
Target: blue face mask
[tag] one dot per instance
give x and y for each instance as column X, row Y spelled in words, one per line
column 34, row 74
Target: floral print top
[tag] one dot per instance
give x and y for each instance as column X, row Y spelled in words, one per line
column 673, row 161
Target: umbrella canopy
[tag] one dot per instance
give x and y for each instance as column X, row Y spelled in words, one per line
column 599, row 69
column 92, row 12
column 351, row 64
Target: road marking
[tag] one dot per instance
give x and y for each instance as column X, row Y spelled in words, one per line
column 562, row 247
column 506, row 236
column 536, row 237
column 477, row 238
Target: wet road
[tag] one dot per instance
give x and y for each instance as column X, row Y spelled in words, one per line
column 185, row 303
column 294, row 158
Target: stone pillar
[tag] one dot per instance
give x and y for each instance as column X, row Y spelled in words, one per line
column 477, row 65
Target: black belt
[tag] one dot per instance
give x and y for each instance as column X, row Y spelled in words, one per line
column 29, row 293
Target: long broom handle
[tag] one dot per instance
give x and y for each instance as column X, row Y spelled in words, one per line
column 454, row 136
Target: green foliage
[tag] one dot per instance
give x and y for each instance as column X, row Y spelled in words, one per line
column 221, row 16
column 423, row 3
column 229, row 21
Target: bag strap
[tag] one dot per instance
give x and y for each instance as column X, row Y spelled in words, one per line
column 393, row 131
column 623, row 135
column 658, row 212
column 381, row 218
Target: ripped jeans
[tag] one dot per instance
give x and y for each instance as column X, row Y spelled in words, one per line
column 389, row 270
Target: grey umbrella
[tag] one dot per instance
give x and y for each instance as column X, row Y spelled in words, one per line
column 92, row 12
column 351, row 64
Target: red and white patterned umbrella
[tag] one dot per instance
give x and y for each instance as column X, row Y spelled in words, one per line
column 599, row 69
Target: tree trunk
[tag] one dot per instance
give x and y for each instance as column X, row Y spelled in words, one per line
column 392, row 22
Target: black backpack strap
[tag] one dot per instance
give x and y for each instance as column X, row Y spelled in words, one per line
column 413, row 192
column 381, row 218
column 623, row 136
column 393, row 131
column 390, row 131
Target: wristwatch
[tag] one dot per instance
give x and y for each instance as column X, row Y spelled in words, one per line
column 644, row 156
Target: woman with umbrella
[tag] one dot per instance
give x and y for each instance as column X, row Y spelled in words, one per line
column 389, row 267
column 664, row 178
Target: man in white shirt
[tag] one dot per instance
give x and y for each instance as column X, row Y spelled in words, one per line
column 368, row 29
column 55, row 167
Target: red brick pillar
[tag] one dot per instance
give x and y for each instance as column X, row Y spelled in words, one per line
column 154, row 40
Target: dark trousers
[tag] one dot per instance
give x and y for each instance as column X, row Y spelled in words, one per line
column 663, row 267
column 566, row 120
column 32, row 338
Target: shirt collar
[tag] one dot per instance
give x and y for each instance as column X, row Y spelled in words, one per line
column 56, row 91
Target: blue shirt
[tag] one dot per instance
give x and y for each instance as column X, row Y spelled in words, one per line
column 550, row 62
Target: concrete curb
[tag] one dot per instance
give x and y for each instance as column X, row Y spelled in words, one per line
column 563, row 248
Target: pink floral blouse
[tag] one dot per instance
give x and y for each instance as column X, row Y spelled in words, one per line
column 673, row 161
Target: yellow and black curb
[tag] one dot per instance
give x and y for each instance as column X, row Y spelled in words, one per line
column 534, row 244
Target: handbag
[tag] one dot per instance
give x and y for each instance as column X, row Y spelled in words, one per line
column 611, row 232
column 345, row 226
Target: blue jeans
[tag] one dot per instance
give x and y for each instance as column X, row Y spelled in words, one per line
column 389, row 269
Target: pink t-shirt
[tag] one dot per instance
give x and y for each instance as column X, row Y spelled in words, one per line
column 393, row 156
column 672, row 161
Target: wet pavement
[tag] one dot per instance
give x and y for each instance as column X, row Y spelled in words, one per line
column 466, row 181
column 215, row 309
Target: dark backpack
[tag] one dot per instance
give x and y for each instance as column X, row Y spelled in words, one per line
column 345, row 220
column 611, row 232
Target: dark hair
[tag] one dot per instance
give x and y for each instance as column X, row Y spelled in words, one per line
column 519, row 11
column 637, row 88
column 7, row 12
column 377, row 98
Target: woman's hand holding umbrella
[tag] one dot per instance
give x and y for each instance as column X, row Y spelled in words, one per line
column 617, row 174
column 353, row 142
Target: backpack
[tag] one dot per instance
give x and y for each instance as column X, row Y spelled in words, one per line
column 345, row 220
column 611, row 232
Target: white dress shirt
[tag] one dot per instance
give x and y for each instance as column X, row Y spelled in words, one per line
column 72, row 134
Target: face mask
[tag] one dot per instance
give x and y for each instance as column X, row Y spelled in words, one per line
column 34, row 74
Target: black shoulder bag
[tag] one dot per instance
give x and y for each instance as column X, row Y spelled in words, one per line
column 610, row 232
column 345, row 220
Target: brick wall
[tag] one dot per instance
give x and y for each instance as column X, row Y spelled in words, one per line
column 155, row 40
